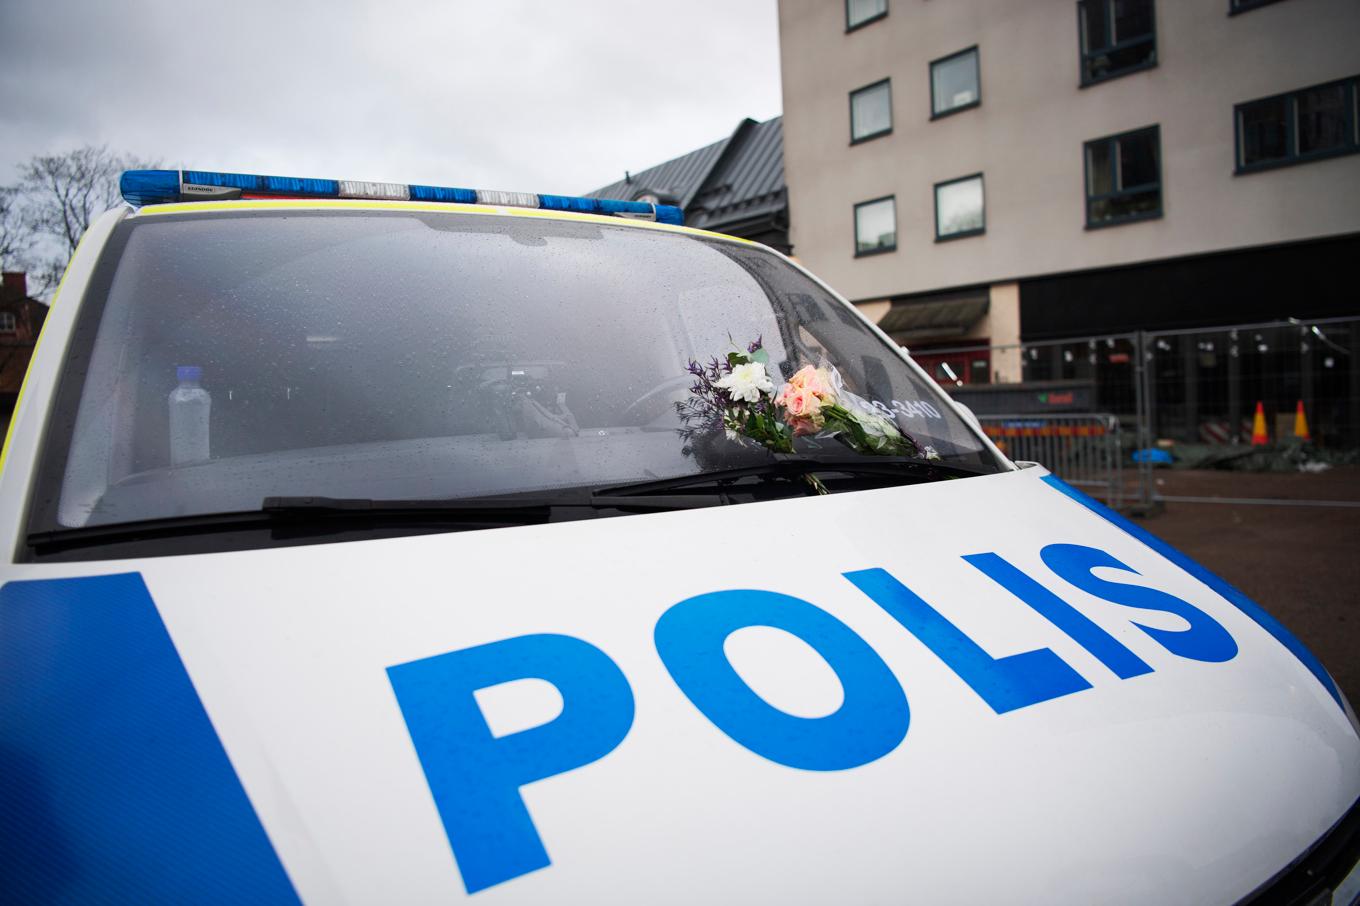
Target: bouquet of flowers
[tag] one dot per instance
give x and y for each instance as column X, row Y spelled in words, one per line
column 815, row 402
column 738, row 395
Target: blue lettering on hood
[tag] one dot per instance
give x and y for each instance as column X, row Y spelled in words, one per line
column 1227, row 591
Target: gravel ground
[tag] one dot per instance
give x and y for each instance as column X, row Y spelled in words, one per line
column 1301, row 563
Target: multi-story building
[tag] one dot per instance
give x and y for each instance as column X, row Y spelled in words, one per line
column 21, row 319
column 997, row 171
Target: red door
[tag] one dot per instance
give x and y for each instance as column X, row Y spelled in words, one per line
column 957, row 367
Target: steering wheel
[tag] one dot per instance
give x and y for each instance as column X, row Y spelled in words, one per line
column 667, row 386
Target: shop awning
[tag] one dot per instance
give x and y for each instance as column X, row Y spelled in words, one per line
column 911, row 321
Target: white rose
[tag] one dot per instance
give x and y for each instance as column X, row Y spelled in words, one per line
column 747, row 382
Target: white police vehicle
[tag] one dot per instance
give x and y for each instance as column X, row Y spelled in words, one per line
column 354, row 552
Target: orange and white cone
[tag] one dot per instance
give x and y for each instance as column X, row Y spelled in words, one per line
column 1301, row 423
column 1259, row 437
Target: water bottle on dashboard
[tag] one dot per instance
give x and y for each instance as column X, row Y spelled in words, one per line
column 189, row 407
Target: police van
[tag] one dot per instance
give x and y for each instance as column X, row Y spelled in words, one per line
column 375, row 543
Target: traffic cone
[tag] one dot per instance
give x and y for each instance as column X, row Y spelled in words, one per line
column 1301, row 424
column 1259, row 438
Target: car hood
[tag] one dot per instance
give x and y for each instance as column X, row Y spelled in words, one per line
column 974, row 690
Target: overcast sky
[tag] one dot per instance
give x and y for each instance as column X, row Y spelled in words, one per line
column 527, row 95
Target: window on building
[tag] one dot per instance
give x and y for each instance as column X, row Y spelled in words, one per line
column 8, row 323
column 1241, row 6
column 1124, row 177
column 1308, row 124
column 1117, row 37
column 862, row 12
column 954, row 83
column 959, row 208
column 870, row 111
column 875, row 226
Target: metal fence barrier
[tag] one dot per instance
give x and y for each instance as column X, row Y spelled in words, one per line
column 1083, row 450
column 1194, row 393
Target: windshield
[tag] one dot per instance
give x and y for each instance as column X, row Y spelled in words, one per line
column 393, row 355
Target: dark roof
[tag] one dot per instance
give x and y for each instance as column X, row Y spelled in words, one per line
column 738, row 179
column 679, row 178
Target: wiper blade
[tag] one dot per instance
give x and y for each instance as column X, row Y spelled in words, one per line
column 906, row 470
column 316, row 515
column 529, row 506
column 307, row 516
column 369, row 509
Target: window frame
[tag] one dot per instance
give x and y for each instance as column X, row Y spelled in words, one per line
column 977, row 74
column 1156, row 130
column 1083, row 53
column 13, row 320
column 1237, row 7
column 962, row 234
column 1351, row 86
column 849, row 27
column 854, row 226
column 880, row 133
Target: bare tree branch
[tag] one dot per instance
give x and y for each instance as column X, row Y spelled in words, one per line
column 45, row 275
column 15, row 238
column 65, row 192
column 61, row 194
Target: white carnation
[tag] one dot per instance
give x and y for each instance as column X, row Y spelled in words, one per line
column 747, row 382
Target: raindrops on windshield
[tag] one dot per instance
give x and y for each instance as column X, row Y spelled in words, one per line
column 395, row 356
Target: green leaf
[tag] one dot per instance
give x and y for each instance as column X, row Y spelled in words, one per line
column 737, row 358
column 761, row 356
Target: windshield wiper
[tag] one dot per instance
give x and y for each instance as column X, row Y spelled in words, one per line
column 516, row 508
column 296, row 517
column 286, row 518
column 904, row 470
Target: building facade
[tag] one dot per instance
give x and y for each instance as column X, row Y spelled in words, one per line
column 21, row 319
column 1000, row 171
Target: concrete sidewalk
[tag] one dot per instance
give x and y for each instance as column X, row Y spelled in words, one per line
column 1301, row 563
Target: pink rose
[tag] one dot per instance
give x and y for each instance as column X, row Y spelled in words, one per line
column 813, row 380
column 802, row 403
column 820, row 384
column 802, row 409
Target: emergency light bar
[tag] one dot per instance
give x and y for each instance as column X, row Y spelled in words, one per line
column 144, row 187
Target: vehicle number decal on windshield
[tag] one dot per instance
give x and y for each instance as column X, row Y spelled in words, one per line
column 908, row 409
